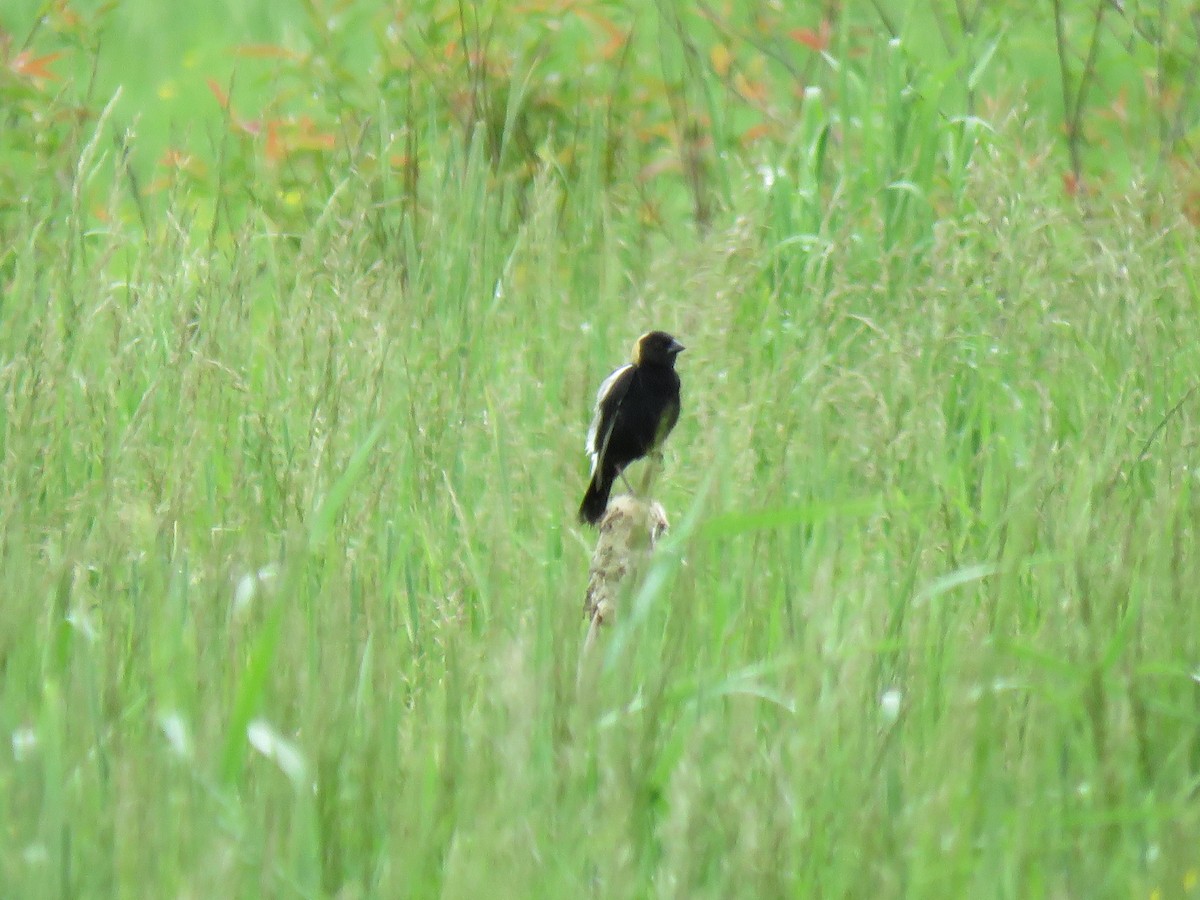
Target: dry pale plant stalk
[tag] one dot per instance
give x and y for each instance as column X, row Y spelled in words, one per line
column 629, row 531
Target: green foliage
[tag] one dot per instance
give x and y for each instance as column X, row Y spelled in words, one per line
column 301, row 314
column 285, row 98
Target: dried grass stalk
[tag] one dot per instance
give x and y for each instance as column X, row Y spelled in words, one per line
column 629, row 532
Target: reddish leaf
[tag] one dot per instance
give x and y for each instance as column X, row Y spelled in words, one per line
column 754, row 91
column 721, row 58
column 37, row 68
column 275, row 149
column 616, row 36
column 67, row 16
column 816, row 41
column 285, row 138
column 1118, row 110
column 653, row 170
column 1191, row 207
column 265, row 51
column 757, row 132
column 222, row 97
column 181, row 162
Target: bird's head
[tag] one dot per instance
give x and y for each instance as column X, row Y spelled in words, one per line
column 656, row 348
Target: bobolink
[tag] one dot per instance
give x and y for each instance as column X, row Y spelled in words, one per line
column 636, row 408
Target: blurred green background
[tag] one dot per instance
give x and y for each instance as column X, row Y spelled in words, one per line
column 303, row 308
column 1112, row 85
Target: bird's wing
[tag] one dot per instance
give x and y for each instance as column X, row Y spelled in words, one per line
column 608, row 400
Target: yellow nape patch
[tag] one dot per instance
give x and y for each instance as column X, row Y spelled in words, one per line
column 637, row 349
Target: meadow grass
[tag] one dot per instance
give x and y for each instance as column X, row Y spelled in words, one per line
column 292, row 585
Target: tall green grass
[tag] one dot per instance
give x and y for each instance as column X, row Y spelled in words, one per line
column 291, row 581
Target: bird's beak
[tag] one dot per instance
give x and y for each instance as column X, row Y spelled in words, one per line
column 676, row 347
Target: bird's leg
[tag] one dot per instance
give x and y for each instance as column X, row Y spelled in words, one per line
column 625, row 481
column 654, row 462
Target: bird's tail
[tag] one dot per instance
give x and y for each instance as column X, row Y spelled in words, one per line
column 595, row 501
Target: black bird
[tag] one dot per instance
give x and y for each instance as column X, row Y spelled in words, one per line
column 636, row 408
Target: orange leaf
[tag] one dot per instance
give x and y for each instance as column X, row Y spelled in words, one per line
column 813, row 40
column 721, row 58
column 222, row 97
column 616, row 36
column 1191, row 207
column 755, row 91
column 1070, row 184
column 285, row 138
column 275, row 150
column 35, row 67
column 66, row 15
column 756, row 132
column 181, row 162
column 652, row 170
column 265, row 51
column 1118, row 110
column 309, row 138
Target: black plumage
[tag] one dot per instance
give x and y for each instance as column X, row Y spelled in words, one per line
column 636, row 408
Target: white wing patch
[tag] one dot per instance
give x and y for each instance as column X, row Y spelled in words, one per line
column 605, row 387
